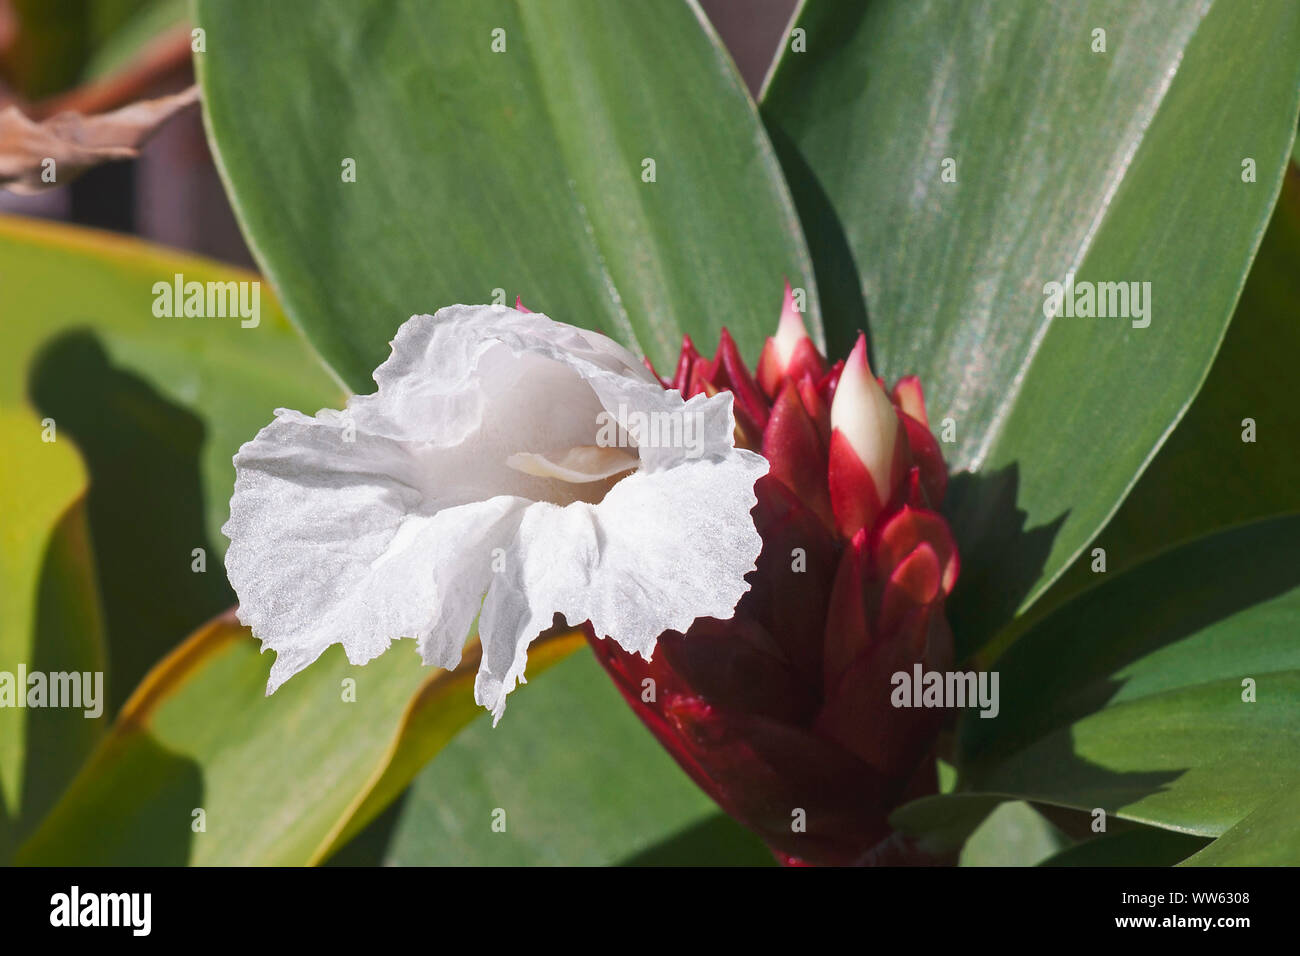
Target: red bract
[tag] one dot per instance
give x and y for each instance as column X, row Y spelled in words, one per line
column 783, row 714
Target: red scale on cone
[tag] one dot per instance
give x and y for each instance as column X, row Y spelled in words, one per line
column 786, row 707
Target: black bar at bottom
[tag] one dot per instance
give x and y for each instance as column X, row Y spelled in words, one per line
column 622, row 906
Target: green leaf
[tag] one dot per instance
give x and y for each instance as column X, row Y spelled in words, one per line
column 943, row 822
column 579, row 780
column 1107, row 165
column 1206, row 478
column 1136, row 696
column 444, row 705
column 714, row 841
column 988, row 829
column 49, row 622
column 1268, row 837
column 276, row 778
column 519, row 171
column 203, row 768
column 1140, row 846
column 1014, row 834
column 157, row 407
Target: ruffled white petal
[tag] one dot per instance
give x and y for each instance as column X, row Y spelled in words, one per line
column 663, row 548
column 330, row 543
column 471, row 471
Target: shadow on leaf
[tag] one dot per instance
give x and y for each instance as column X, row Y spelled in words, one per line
column 145, row 502
column 715, row 841
column 163, row 789
column 1001, row 558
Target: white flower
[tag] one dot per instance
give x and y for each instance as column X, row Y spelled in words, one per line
column 480, row 481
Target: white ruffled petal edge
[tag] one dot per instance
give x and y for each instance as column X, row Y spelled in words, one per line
column 362, row 538
column 661, row 549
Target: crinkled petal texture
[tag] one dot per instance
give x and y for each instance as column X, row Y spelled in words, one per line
column 509, row 467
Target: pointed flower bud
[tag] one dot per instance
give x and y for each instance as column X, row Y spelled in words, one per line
column 796, row 452
column 868, row 453
column 933, row 473
column 789, row 355
column 909, row 398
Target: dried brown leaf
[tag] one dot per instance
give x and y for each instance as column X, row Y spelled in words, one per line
column 76, row 142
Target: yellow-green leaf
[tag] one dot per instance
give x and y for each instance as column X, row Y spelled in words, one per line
column 156, row 404
column 203, row 768
column 49, row 621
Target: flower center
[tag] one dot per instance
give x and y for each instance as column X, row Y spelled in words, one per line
column 579, row 465
column 539, row 435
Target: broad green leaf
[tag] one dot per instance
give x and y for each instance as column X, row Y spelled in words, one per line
column 1140, row 846
column 157, row 407
column 1206, row 478
column 577, row 777
column 275, row 778
column 443, row 706
column 49, row 622
column 1268, row 837
column 943, row 822
column 522, row 171
column 203, row 768
column 1169, row 695
column 1013, row 835
column 717, row 840
column 997, row 830
column 1108, row 165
